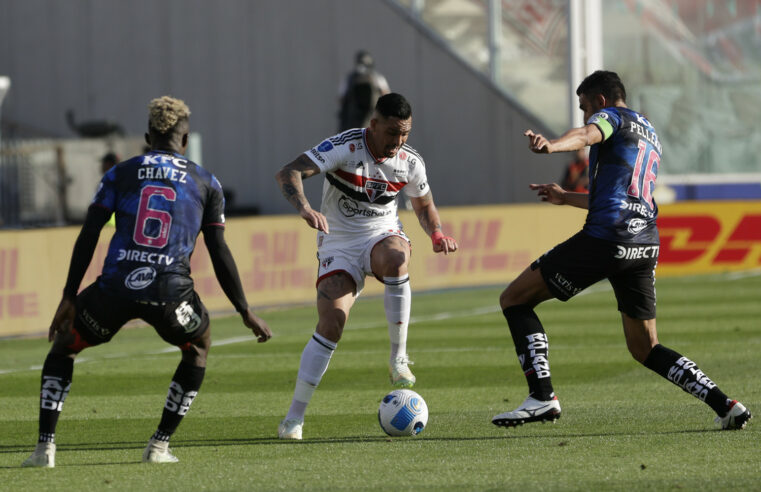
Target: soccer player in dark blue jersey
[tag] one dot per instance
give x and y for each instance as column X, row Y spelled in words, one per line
column 619, row 241
column 161, row 201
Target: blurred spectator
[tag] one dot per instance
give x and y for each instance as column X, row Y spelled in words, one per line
column 108, row 161
column 576, row 176
column 359, row 92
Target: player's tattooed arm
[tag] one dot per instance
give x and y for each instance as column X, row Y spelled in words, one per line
column 426, row 213
column 428, row 216
column 290, row 178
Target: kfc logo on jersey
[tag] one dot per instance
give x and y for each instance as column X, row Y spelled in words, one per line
column 374, row 189
column 643, row 121
column 140, row 278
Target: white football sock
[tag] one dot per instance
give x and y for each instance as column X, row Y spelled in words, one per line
column 397, row 301
column 314, row 363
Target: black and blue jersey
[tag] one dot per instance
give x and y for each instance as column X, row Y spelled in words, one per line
column 161, row 201
column 622, row 172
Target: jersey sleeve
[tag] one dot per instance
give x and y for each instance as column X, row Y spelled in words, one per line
column 327, row 156
column 214, row 211
column 607, row 120
column 105, row 195
column 417, row 185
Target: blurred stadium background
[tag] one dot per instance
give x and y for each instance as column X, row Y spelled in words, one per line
column 261, row 79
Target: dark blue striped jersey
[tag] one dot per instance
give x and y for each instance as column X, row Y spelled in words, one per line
column 161, row 201
column 622, row 172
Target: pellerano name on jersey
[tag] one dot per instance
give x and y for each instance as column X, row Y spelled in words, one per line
column 647, row 134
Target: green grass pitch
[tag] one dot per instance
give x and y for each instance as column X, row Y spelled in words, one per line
column 623, row 427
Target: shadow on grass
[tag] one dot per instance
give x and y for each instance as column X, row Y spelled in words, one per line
column 257, row 441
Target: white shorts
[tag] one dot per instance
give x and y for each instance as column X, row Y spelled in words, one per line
column 350, row 254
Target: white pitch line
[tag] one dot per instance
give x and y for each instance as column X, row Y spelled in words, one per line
column 741, row 275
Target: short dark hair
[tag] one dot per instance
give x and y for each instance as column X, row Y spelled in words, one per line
column 394, row 105
column 603, row 82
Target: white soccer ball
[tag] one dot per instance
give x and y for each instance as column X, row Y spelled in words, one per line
column 403, row 413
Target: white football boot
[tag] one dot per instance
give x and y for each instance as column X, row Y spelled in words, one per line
column 290, row 429
column 736, row 417
column 158, row 452
column 531, row 410
column 43, row 456
column 400, row 374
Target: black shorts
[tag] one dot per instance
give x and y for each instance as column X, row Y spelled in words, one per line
column 582, row 260
column 100, row 316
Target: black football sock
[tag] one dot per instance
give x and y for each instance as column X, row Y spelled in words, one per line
column 56, row 381
column 183, row 389
column 684, row 373
column 532, row 348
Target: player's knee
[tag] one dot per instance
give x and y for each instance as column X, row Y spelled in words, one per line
column 332, row 329
column 394, row 264
column 639, row 351
column 194, row 353
column 638, row 355
column 508, row 299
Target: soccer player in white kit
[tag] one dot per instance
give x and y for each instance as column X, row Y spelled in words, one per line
column 360, row 234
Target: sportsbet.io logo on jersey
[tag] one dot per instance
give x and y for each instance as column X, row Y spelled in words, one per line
column 140, row 278
column 350, row 208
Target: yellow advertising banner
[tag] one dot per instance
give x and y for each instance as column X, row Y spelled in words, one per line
column 276, row 255
column 709, row 237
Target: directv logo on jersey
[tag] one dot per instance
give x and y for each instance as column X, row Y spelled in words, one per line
column 636, row 252
column 140, row 278
column 638, row 208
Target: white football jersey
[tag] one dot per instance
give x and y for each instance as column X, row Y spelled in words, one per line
column 359, row 193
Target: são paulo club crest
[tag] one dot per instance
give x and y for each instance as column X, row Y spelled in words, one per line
column 374, row 189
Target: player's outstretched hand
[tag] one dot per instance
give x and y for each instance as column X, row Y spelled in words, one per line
column 443, row 243
column 63, row 319
column 315, row 219
column 257, row 325
column 537, row 143
column 551, row 192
